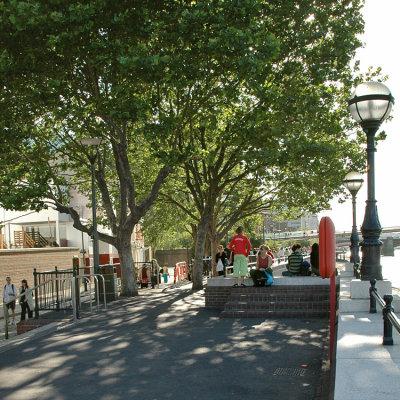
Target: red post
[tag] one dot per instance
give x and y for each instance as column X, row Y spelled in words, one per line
column 327, row 269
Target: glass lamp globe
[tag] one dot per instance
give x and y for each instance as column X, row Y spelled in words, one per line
column 91, row 141
column 353, row 182
column 371, row 102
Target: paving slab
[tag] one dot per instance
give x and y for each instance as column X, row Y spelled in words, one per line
column 164, row 344
column 365, row 369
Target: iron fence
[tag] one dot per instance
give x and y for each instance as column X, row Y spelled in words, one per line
column 52, row 294
column 390, row 319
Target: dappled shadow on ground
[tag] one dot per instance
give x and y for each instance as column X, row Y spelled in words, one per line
column 168, row 346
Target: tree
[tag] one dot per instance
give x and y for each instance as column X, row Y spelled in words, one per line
column 135, row 74
column 181, row 78
column 289, row 123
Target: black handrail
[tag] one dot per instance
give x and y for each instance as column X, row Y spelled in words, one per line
column 390, row 319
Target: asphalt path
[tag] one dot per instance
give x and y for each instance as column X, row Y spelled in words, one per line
column 165, row 345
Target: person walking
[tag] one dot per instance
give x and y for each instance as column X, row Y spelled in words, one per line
column 221, row 260
column 26, row 300
column 241, row 247
column 9, row 294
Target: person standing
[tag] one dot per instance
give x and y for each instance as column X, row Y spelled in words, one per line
column 270, row 252
column 221, row 260
column 9, row 294
column 280, row 255
column 286, row 254
column 26, row 300
column 241, row 247
column 314, row 259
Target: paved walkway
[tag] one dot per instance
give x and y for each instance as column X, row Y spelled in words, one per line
column 365, row 369
column 166, row 345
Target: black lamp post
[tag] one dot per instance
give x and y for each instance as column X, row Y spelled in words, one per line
column 353, row 182
column 92, row 158
column 370, row 104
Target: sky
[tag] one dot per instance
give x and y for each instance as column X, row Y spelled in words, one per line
column 381, row 36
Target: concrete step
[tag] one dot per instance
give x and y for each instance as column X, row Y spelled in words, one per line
column 291, row 297
column 283, row 289
column 277, row 305
column 274, row 314
column 349, row 305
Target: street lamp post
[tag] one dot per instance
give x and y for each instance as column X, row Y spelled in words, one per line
column 92, row 158
column 353, row 182
column 370, row 104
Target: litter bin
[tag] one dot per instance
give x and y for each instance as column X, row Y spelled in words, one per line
column 110, row 281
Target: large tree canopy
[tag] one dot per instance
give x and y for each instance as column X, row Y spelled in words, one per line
column 287, row 131
column 211, row 86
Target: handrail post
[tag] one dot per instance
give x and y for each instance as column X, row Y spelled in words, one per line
column 75, row 311
column 104, row 289
column 372, row 300
column 35, row 283
column 57, row 295
column 387, row 325
column 75, row 273
column 5, row 311
column 96, row 281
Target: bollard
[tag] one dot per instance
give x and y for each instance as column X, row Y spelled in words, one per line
column 356, row 269
column 372, row 299
column 387, row 325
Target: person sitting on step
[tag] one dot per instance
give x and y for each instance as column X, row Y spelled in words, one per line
column 263, row 263
column 294, row 261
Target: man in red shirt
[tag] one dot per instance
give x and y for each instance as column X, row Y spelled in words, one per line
column 241, row 247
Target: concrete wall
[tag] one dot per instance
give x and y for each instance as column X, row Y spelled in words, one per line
column 171, row 257
column 19, row 263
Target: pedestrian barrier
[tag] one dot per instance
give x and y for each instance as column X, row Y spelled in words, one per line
column 143, row 270
column 95, row 276
column 389, row 317
column 180, row 272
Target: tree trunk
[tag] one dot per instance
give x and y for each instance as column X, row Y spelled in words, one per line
column 128, row 275
column 214, row 245
column 199, row 252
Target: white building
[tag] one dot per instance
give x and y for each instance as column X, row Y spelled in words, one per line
column 52, row 228
column 307, row 222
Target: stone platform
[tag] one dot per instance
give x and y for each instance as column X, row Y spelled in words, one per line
column 288, row 297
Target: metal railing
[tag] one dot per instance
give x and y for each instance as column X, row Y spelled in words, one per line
column 95, row 277
column 69, row 295
column 389, row 317
column 49, row 292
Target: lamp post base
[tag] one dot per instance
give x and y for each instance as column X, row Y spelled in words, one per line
column 354, row 248
column 371, row 267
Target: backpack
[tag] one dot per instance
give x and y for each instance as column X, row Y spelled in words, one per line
column 305, row 268
column 270, row 279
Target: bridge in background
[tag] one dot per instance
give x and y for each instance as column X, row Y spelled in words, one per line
column 391, row 233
